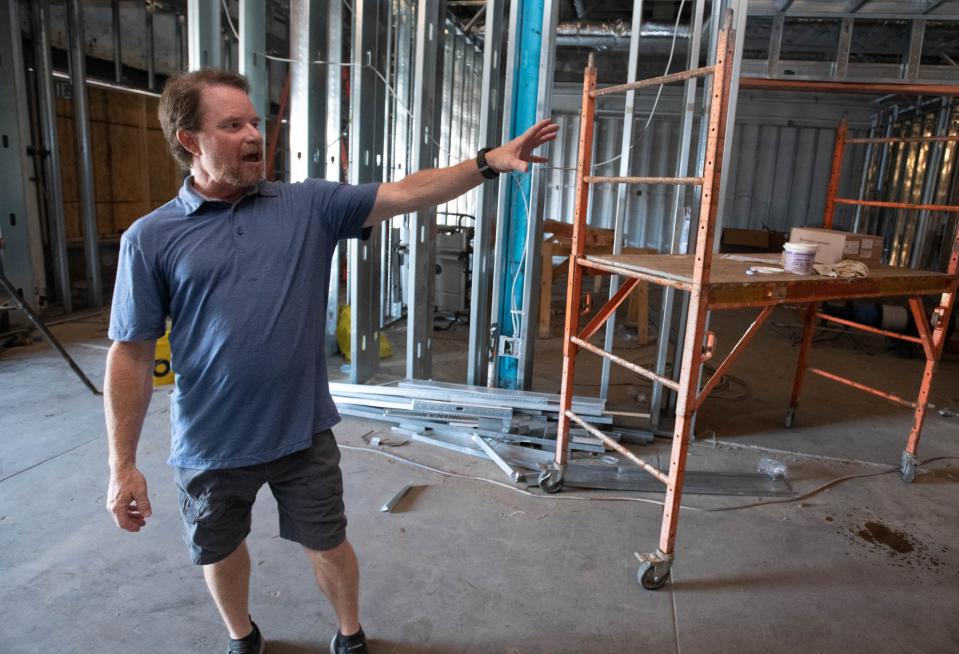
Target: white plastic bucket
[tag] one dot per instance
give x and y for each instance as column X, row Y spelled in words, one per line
column 798, row 258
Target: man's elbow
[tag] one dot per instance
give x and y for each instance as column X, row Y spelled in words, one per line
column 133, row 351
column 392, row 199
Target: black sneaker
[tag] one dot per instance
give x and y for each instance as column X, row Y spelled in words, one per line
column 252, row 644
column 355, row 644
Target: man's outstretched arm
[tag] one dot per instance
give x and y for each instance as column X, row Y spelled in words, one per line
column 428, row 188
column 127, row 391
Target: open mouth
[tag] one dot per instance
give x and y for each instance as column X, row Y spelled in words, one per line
column 253, row 157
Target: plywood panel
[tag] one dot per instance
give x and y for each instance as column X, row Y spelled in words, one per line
column 124, row 213
column 127, row 159
column 64, row 105
column 152, row 121
column 102, row 172
column 105, row 219
column 71, row 216
column 163, row 180
column 126, row 109
column 133, row 170
column 99, row 100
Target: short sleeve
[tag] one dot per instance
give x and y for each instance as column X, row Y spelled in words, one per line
column 140, row 298
column 348, row 207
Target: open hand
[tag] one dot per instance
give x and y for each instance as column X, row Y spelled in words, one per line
column 127, row 499
column 518, row 153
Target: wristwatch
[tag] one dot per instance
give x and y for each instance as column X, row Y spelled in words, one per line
column 485, row 169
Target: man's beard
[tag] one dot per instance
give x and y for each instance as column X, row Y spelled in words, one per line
column 241, row 176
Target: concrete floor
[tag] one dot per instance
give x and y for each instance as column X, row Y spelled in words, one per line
column 869, row 565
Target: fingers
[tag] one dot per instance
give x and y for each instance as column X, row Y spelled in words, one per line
column 143, row 503
column 127, row 501
column 546, row 123
column 126, row 516
column 536, row 159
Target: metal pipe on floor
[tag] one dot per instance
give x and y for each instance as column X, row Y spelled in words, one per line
column 81, row 122
column 7, row 286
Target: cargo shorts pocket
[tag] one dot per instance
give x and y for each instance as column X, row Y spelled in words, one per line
column 197, row 510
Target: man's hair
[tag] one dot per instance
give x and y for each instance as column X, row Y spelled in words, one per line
column 180, row 105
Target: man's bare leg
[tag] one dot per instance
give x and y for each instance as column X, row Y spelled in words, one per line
column 229, row 584
column 338, row 576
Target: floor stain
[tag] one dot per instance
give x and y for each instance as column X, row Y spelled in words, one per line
column 879, row 534
column 902, row 549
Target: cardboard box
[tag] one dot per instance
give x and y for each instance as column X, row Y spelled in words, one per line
column 834, row 245
column 751, row 240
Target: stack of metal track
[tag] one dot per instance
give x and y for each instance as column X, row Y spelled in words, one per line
column 516, row 430
column 519, row 425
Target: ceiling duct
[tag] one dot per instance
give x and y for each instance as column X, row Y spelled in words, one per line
column 612, row 35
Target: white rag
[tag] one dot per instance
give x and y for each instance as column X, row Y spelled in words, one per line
column 847, row 269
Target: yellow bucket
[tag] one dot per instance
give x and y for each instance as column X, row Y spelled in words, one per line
column 162, row 370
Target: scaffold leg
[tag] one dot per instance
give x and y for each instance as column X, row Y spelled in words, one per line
column 809, row 321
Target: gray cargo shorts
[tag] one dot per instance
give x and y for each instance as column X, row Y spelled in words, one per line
column 216, row 504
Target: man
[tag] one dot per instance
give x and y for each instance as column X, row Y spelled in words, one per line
column 241, row 266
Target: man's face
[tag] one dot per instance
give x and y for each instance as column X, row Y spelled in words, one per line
column 229, row 143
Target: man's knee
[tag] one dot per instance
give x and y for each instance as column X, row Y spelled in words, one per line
column 331, row 554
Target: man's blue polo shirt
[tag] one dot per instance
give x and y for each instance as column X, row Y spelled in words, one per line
column 245, row 285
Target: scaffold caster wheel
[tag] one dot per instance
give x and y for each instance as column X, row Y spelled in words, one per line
column 790, row 417
column 551, row 480
column 909, row 467
column 650, row 578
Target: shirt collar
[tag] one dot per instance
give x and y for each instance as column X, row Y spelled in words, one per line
column 192, row 200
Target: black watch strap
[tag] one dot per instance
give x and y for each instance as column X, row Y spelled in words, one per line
column 485, row 169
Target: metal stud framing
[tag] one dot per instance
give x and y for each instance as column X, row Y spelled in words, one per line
column 81, row 126
column 20, row 256
column 252, row 62
column 489, row 128
column 51, row 152
column 427, row 74
column 527, row 98
column 368, row 95
column 205, row 40
column 333, row 148
column 621, row 190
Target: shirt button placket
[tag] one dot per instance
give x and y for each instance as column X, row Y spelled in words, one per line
column 237, row 227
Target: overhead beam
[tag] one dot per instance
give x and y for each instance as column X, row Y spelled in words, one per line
column 775, row 43
column 871, row 88
column 117, row 52
column 842, row 52
column 914, row 56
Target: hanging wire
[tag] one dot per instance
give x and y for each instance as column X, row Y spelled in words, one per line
column 652, row 112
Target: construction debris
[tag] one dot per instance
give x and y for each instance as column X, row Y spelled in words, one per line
column 393, row 501
column 516, row 430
